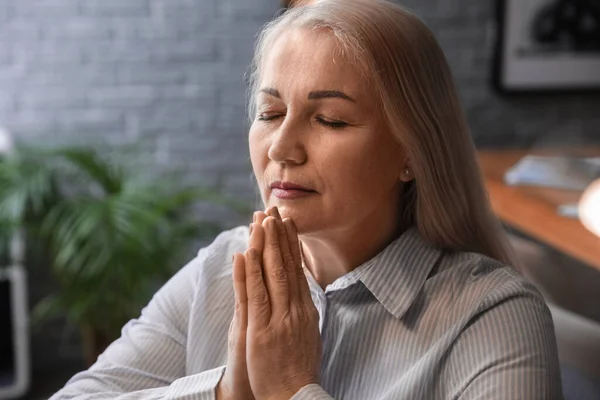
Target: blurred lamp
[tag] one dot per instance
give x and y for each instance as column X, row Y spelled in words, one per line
column 589, row 208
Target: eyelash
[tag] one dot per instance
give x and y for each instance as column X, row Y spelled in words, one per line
column 330, row 124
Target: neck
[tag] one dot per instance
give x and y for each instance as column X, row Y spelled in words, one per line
column 329, row 255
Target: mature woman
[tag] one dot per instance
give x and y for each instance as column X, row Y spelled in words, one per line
column 377, row 271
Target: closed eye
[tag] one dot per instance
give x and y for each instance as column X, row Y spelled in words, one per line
column 331, row 123
column 268, row 117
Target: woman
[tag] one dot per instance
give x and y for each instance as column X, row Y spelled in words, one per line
column 377, row 272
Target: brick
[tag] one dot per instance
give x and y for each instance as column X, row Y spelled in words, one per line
column 77, row 29
column 90, row 122
column 184, row 12
column 199, row 50
column 188, row 92
column 147, row 29
column 19, row 30
column 46, row 55
column 51, row 99
column 57, row 78
column 177, row 116
column 120, row 52
column 132, row 73
column 123, row 96
column 152, row 51
column 44, row 10
column 114, row 8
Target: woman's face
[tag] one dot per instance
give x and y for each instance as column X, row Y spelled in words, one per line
column 318, row 126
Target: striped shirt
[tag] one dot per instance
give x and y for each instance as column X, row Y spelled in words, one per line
column 414, row 322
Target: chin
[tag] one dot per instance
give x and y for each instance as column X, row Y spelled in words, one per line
column 303, row 217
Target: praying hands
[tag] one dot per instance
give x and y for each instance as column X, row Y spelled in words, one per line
column 274, row 341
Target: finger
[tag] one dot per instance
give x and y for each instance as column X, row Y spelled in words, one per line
column 258, row 217
column 275, row 273
column 257, row 237
column 288, row 259
column 294, row 244
column 274, row 212
column 303, row 288
column 239, row 288
column 259, row 309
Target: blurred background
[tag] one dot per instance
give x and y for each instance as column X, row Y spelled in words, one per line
column 105, row 103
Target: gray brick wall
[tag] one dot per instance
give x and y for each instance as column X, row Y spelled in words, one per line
column 171, row 71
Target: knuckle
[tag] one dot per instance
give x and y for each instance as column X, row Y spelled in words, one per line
column 289, row 261
column 279, row 275
column 261, row 298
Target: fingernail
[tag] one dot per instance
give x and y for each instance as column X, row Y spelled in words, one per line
column 251, row 228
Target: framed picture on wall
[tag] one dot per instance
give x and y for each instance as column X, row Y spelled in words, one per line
column 547, row 45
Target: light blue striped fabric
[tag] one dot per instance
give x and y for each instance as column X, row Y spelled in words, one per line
column 412, row 323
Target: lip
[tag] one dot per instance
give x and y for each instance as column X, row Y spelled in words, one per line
column 290, row 190
column 289, row 186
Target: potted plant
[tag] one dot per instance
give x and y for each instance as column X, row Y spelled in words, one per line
column 111, row 236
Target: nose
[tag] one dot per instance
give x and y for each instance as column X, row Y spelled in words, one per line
column 287, row 146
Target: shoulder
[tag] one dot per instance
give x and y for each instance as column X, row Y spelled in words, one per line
column 470, row 289
column 225, row 244
column 214, row 260
column 501, row 327
column 481, row 279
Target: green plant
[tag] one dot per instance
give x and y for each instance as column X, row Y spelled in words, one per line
column 112, row 237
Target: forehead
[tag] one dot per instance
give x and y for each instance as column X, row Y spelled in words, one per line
column 305, row 60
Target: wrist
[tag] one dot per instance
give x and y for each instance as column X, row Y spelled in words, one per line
column 221, row 393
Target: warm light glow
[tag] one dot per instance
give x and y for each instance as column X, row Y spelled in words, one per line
column 589, row 208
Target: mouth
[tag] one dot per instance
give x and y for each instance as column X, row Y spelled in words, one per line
column 290, row 190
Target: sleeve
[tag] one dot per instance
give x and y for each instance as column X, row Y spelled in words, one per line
column 508, row 350
column 312, row 392
column 148, row 360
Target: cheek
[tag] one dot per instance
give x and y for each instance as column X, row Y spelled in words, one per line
column 362, row 170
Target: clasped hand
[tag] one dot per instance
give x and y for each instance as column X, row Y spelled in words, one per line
column 274, row 342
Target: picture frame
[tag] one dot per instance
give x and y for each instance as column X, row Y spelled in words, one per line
column 547, row 46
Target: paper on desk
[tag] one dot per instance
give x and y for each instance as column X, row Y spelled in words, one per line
column 570, row 210
column 568, row 173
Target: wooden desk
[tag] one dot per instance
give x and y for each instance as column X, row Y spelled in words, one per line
column 533, row 210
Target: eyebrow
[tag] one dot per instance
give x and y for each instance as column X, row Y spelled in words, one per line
column 319, row 94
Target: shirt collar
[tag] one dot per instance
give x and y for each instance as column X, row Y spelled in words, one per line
column 396, row 275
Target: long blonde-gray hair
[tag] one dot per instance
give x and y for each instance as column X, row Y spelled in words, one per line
column 401, row 58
